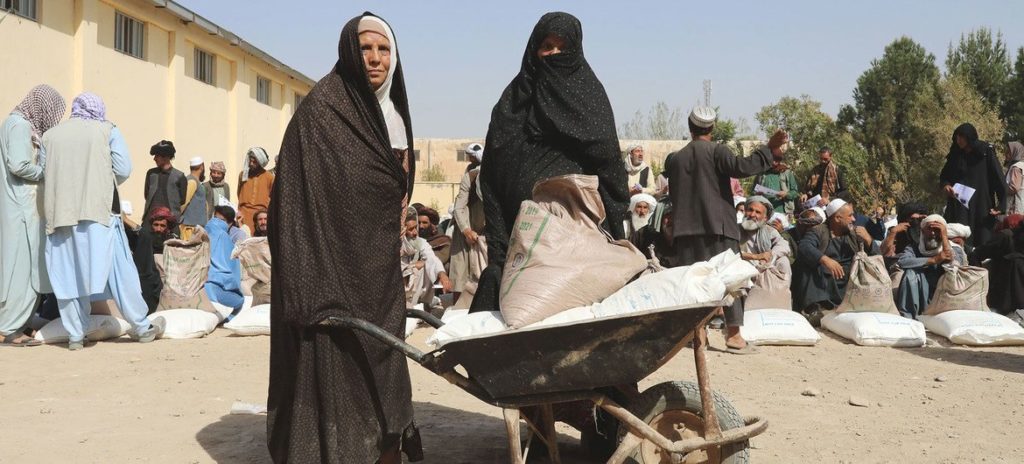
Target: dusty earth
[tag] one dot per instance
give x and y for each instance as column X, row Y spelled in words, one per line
column 169, row 401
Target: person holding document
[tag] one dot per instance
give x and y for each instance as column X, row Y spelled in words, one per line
column 972, row 179
column 779, row 186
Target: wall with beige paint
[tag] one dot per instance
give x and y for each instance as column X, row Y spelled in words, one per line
column 70, row 46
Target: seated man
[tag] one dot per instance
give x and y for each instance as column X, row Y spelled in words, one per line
column 224, row 281
column 762, row 245
column 922, row 266
column 656, row 241
column 1004, row 254
column 429, row 230
column 905, row 233
column 824, row 260
column 421, row 268
column 147, row 251
column 780, row 223
column 641, row 206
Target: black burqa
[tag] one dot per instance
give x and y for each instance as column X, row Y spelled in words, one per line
column 979, row 169
column 553, row 119
column 142, row 243
column 335, row 219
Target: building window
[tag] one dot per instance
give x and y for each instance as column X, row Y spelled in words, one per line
column 298, row 101
column 24, row 8
column 129, row 35
column 263, row 90
column 460, row 155
column 416, row 155
column 206, row 67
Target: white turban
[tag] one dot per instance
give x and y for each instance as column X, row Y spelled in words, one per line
column 834, row 206
column 958, row 231
column 736, row 201
column 821, row 212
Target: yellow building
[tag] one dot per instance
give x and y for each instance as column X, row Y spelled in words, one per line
column 165, row 73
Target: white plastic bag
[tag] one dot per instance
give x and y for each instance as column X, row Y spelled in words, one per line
column 777, row 327
column 876, row 329
column 470, row 325
column 975, row 328
column 100, row 327
column 184, row 323
column 250, row 321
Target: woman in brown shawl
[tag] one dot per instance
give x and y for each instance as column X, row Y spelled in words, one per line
column 336, row 395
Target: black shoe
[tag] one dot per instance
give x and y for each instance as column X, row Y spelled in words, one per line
column 814, row 315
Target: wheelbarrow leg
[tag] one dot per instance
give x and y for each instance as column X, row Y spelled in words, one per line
column 515, row 447
column 712, row 430
column 551, row 437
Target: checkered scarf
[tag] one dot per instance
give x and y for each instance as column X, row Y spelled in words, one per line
column 42, row 107
column 89, row 106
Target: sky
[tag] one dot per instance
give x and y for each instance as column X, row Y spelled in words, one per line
column 458, row 56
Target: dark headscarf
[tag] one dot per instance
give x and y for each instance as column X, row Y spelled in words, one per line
column 554, row 118
column 909, row 209
column 335, row 215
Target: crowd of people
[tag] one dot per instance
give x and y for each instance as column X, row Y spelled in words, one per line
column 67, row 238
column 336, row 224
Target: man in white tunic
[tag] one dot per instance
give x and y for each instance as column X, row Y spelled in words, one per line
column 22, row 273
column 87, row 252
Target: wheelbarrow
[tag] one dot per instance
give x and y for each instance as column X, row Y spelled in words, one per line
column 673, row 422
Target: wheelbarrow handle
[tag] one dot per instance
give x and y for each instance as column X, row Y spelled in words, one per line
column 425, row 317
column 380, row 334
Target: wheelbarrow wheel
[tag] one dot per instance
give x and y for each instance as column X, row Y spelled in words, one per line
column 674, row 410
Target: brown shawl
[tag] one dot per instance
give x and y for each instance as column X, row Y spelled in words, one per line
column 827, row 175
column 337, row 395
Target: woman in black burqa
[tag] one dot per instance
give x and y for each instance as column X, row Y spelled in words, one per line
column 553, row 119
column 973, row 163
column 337, row 395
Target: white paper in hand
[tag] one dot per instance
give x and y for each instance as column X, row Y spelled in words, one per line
column 811, row 203
column 963, row 194
column 771, row 193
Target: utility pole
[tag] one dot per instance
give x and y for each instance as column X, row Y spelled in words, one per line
column 707, row 92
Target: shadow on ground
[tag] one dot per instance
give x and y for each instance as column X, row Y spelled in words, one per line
column 450, row 436
column 996, row 360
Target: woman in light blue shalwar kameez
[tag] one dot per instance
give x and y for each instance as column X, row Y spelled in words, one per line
column 22, row 270
column 224, row 282
column 87, row 252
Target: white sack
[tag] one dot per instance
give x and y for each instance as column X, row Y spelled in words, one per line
column 777, row 327
column 876, row 329
column 975, row 328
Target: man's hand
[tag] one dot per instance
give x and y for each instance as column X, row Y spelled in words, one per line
column 939, row 228
column 833, row 267
column 864, row 235
column 994, row 212
column 782, row 195
column 823, row 202
column 942, row 258
column 899, row 228
column 635, row 190
column 446, row 284
column 419, row 265
column 766, row 256
column 471, row 236
column 778, row 139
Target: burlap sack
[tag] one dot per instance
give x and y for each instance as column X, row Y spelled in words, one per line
column 186, row 266
column 770, row 291
column 960, row 288
column 558, row 256
column 254, row 256
column 869, row 288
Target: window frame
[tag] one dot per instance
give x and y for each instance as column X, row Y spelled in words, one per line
column 297, row 101
column 120, row 27
column 9, row 6
column 197, row 68
column 264, row 86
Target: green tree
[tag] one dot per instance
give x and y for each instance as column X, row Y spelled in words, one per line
column 886, row 92
column 724, row 131
column 433, row 173
column 983, row 62
column 810, row 129
column 1013, row 104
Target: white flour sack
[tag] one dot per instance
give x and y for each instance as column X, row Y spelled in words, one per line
column 876, row 329
column 184, row 323
column 975, row 328
column 777, row 327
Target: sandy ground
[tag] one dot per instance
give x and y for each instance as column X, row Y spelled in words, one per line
column 169, row 401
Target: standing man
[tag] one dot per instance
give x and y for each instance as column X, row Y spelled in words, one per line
column 194, row 212
column 23, row 276
column 704, row 218
column 165, row 186
column 826, row 179
column 216, row 188
column 254, row 186
column 638, row 171
column 87, row 251
column 782, row 180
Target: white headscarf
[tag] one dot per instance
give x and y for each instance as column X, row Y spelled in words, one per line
column 394, row 121
column 641, row 221
column 921, row 246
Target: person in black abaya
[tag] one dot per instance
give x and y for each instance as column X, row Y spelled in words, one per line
column 338, row 395
column 553, row 119
column 973, row 163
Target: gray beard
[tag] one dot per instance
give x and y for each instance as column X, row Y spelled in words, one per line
column 751, row 225
column 932, row 244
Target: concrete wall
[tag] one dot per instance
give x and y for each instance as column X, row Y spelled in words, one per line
column 445, row 153
column 71, row 47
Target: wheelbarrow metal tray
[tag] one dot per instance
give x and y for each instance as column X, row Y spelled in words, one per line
column 610, row 351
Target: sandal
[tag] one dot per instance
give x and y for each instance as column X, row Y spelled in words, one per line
column 749, row 349
column 11, row 340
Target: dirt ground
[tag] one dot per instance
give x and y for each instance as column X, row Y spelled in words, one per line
column 169, row 401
